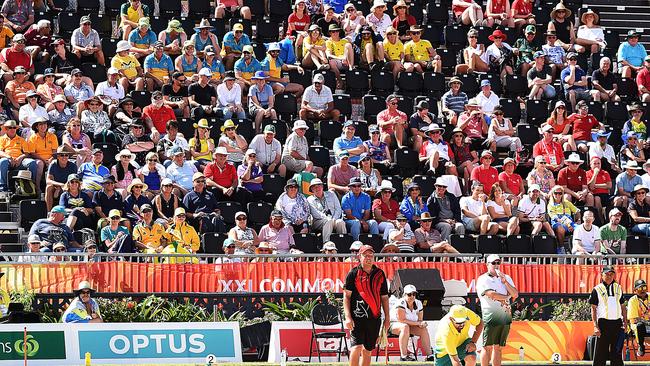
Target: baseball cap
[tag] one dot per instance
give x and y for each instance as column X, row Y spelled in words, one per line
column 492, row 257
column 607, row 269
column 409, row 289
column 365, row 248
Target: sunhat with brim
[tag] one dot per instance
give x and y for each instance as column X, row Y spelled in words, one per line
column 38, row 121
column 534, row 187
column 596, row 135
column 410, row 289
column 441, row 182
column 355, row 181
column 557, row 188
column 274, row 46
column 179, row 211
column 425, row 216
column 10, row 123
column 84, row 285
column 389, row 246
column 92, row 99
column 639, row 283
column 386, row 185
column 589, row 12
column 188, row 43
column 548, row 128
column 631, row 164
column 312, row 28
column 487, row 153
column 228, row 124
column 454, row 80
column 291, row 183
column 203, row 123
column 137, row 182
column 259, row 75
column 400, row 4
column 376, row 4
column 434, row 127
column 298, row 124
column 507, row 161
column 204, row 24
column 414, row 28
column 24, row 174
column 574, row 158
column 640, row 187
column 497, row 33
column 64, row 149
column 123, row 152
column 329, row 246
column 263, row 245
column 333, row 28
column 632, row 33
column 315, row 182
column 175, row 25
column 560, row 6
column 634, row 107
column 123, row 46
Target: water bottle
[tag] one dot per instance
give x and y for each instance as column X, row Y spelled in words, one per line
column 627, row 354
column 521, row 353
column 283, row 358
column 87, row 363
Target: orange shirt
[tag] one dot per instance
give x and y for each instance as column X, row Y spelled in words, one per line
column 20, row 90
column 42, row 147
column 14, row 147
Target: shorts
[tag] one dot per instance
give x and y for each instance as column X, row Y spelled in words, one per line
column 470, row 224
column 365, row 333
column 580, row 95
column 460, row 350
column 339, row 64
column 252, row 110
column 294, row 165
column 501, row 219
column 604, row 198
column 495, row 334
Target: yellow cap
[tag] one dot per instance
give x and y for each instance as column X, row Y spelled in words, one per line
column 458, row 313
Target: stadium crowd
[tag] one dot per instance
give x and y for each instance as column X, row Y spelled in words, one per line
column 189, row 132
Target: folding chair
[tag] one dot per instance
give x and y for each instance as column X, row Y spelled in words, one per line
column 324, row 315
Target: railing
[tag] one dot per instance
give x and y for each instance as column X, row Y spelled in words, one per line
column 397, row 257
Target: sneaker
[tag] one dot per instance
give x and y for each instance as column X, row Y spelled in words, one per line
column 431, row 357
column 407, row 358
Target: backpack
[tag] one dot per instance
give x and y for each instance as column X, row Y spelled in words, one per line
column 24, row 189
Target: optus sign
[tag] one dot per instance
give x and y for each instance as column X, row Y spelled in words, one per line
column 157, row 344
column 40, row 345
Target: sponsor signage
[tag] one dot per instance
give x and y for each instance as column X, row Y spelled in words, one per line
column 37, row 345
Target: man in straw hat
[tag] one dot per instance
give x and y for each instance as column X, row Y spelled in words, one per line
column 203, row 37
column 13, row 154
column 454, row 100
column 631, row 55
column 363, row 307
column 639, row 210
column 231, row 9
column 561, row 26
column 233, row 45
column 453, row 345
column 419, row 54
column 626, row 183
column 57, row 174
column 326, row 210
column 83, row 309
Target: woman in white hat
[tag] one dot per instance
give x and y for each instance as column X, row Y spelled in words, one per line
column 83, row 309
column 243, row 236
column 135, row 200
column 124, row 171
column 385, row 208
column 406, row 319
column 152, row 175
column 351, row 21
column 377, row 18
column 590, row 36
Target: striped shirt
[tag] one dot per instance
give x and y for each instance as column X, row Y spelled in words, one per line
column 81, row 40
column 456, row 102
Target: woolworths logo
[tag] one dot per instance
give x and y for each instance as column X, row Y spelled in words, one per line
column 38, row 346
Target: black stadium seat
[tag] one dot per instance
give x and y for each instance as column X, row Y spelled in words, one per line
column 308, row 243
column 320, row 156
column 228, row 211
column 382, row 83
column 409, row 83
column 343, row 103
column 30, row 211
column 212, row 243
column 259, row 212
column 463, row 243
column 200, row 8
column 519, row 244
column 267, row 30
column 95, row 71
column 488, row 244
column 68, row 22
column 356, row 83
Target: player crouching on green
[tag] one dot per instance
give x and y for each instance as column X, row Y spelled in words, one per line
column 453, row 343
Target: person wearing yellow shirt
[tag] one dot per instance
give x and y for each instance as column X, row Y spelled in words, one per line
column 453, row 345
column 638, row 313
column 41, row 146
column 393, row 51
column 313, row 49
column 13, row 154
column 182, row 233
column 339, row 53
column 130, row 69
column 419, row 54
column 148, row 235
column 273, row 66
column 130, row 14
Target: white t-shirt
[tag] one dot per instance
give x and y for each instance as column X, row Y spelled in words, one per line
column 646, row 179
column 496, row 312
column 472, row 205
column 499, row 210
column 596, row 150
column 266, row 153
column 587, row 238
column 411, row 315
column 487, row 103
column 530, row 208
column 592, row 34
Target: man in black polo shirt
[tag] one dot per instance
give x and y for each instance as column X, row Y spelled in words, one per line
column 365, row 295
column 202, row 96
column 107, row 199
column 604, row 82
column 201, row 207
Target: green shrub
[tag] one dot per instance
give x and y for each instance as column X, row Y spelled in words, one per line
column 573, row 310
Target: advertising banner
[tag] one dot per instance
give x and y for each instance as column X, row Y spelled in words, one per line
column 281, row 277
column 37, row 345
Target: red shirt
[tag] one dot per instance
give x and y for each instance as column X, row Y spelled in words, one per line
column 223, row 177
column 389, row 213
column 34, row 38
column 643, row 78
column 387, row 115
column 513, row 181
column 458, row 10
column 572, row 180
column 552, row 152
column 16, row 58
column 498, row 6
column 522, row 8
column 602, row 178
column 159, row 116
column 299, row 24
column 582, row 126
column 487, row 176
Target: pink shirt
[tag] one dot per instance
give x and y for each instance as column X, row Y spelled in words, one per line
column 282, row 239
column 386, row 115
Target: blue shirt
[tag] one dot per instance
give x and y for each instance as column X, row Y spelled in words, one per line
column 82, row 200
column 341, row 143
column 247, row 70
column 287, row 54
column 145, row 41
column 229, row 41
column 409, row 209
column 61, row 174
column 159, row 68
column 261, row 95
column 92, row 176
column 338, row 5
column 634, row 55
column 579, row 74
column 624, row 181
column 358, row 204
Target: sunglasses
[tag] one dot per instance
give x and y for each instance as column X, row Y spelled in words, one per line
column 241, row 218
column 375, row 133
column 458, row 323
column 495, row 263
column 126, row 156
column 393, row 103
column 115, row 218
column 252, row 156
column 180, row 81
column 152, row 159
column 415, row 33
column 138, row 187
column 228, row 129
column 168, row 185
column 411, row 294
column 317, row 83
column 642, row 288
column 350, row 10
column 201, row 181
column 63, row 155
column 60, row 251
column 472, row 37
column 137, row 127
column 572, row 163
column 181, row 216
column 558, row 193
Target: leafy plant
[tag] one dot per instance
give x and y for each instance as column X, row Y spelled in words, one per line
column 24, row 297
column 291, row 311
column 529, row 312
column 574, row 310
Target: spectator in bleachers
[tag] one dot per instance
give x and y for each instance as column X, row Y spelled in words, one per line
column 599, row 182
column 522, row 12
column 269, row 151
column 561, row 26
column 139, row 142
column 135, row 200
column 76, row 139
column 203, row 37
column 402, row 235
column 403, row 21
column 244, row 238
column 500, row 211
column 33, row 246
column 313, row 49
column 158, row 113
column 574, row 181
column 175, row 94
column 166, row 202
column 251, row 176
column 541, row 176
column 562, row 212
column 378, row 151
column 78, row 205
column 15, row 56
column 188, row 63
column 63, row 61
column 6, row 33
column 171, row 139
column 229, row 248
column 475, row 215
column 330, row 249
column 180, row 171
column 124, row 171
column 559, row 123
column 37, row 40
column 349, row 142
column 613, row 235
column 639, row 210
column 328, row 19
column 467, row 12
column 635, row 124
column 370, row 176
column 127, row 112
column 318, row 102
column 295, row 154
column 231, row 9
column 149, row 236
column 638, row 313
column 394, row 52
column 631, row 151
column 58, row 174
column 435, row 152
column 52, row 230
column 158, row 68
column 429, row 239
column 202, row 96
column 183, row 234
column 42, row 145
column 222, row 178
column 351, row 21
column 370, row 48
column 340, row 53
column 245, row 68
column 487, row 99
column 643, row 80
column 229, row 97
column 130, row 69
column 392, row 122
column 152, row 174
column 235, row 144
column 30, row 112
column 602, row 150
column 339, row 174
column 16, row 89
column 604, row 83
column 474, row 56
column 279, row 235
column 13, row 154
column 550, row 150
column 590, row 36
column 325, row 209
column 419, row 54
column 630, row 55
column 261, row 100
column 377, row 19
column 130, row 14
column 201, row 145
column 462, row 157
column 110, row 91
column 294, row 207
column 528, row 48
column 454, row 101
column 385, row 209
column 173, row 38
column 500, row 55
column 485, row 172
column 234, row 43
column 265, row 248
column 4, row 110
column 420, row 119
column 510, row 182
column 77, row 92
column 413, row 205
column 201, row 207
column 297, row 23
column 445, row 209
column 142, row 39
column 212, row 62
column 501, row 133
column 574, row 81
column 531, row 213
column 540, row 78
column 554, row 53
column 646, row 177
column 498, row 12
column 356, row 205
column 17, row 15
column 85, row 42
column 586, row 236
column 92, row 173
column 626, row 184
